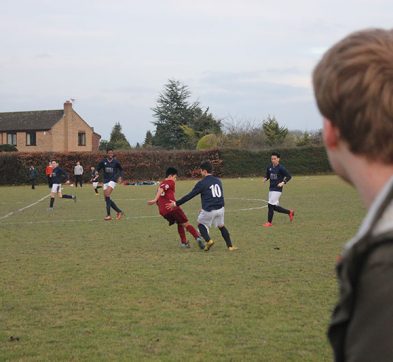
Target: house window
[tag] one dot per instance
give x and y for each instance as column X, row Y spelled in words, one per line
column 11, row 138
column 31, row 139
column 81, row 138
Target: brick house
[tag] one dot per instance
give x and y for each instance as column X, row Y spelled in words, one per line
column 60, row 130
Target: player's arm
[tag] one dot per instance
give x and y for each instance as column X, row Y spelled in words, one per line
column 158, row 194
column 286, row 176
column 120, row 178
column 195, row 191
column 267, row 176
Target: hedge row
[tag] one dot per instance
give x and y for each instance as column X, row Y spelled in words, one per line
column 151, row 165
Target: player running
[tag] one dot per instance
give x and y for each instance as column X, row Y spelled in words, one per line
column 57, row 176
column 278, row 176
column 112, row 175
column 166, row 194
column 94, row 176
column 212, row 197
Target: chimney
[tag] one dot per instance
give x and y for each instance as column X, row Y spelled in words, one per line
column 67, row 108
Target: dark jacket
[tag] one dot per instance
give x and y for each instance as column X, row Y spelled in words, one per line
column 361, row 328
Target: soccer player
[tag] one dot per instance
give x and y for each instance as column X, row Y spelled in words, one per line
column 112, row 175
column 212, row 213
column 278, row 176
column 58, row 175
column 166, row 194
column 353, row 85
column 94, row 176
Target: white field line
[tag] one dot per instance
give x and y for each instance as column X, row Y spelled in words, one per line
column 23, row 208
column 94, row 220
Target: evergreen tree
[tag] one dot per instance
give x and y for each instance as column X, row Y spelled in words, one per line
column 180, row 123
column 117, row 139
column 148, row 140
column 273, row 132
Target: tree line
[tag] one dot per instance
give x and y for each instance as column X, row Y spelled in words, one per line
column 183, row 124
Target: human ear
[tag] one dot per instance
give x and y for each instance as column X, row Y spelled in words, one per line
column 330, row 134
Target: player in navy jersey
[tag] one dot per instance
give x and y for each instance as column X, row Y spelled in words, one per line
column 165, row 194
column 212, row 213
column 94, row 176
column 112, row 175
column 278, row 176
column 57, row 178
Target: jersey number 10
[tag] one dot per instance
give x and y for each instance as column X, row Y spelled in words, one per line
column 216, row 190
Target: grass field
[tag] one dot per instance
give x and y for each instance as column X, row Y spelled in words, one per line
column 74, row 287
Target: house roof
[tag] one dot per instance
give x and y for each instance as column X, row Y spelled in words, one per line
column 29, row 121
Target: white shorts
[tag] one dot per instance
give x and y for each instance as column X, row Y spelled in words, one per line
column 95, row 184
column 56, row 188
column 274, row 197
column 215, row 217
column 111, row 184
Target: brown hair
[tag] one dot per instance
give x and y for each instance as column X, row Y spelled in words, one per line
column 353, row 85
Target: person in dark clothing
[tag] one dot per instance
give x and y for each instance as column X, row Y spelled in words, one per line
column 58, row 176
column 278, row 176
column 353, row 85
column 212, row 199
column 113, row 173
column 32, row 176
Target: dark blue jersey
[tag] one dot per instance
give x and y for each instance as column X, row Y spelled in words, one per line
column 59, row 175
column 112, row 169
column 212, row 194
column 276, row 175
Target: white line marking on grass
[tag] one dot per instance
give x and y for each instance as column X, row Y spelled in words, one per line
column 24, row 208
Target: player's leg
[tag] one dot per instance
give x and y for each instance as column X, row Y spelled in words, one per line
column 218, row 221
column 65, row 196
column 182, row 233
column 119, row 212
column 54, row 190
column 274, row 198
column 204, row 223
column 107, row 194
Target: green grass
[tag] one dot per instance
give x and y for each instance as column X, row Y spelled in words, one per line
column 73, row 287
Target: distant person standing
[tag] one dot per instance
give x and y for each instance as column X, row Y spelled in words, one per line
column 278, row 176
column 48, row 173
column 58, row 176
column 32, row 176
column 112, row 175
column 78, row 173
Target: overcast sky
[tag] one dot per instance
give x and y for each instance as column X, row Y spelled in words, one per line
column 243, row 59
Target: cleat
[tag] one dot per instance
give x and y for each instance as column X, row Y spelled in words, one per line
column 119, row 215
column 233, row 248
column 50, row 208
column 209, row 244
column 74, row 198
column 185, row 245
column 108, row 218
column 291, row 215
column 267, row 224
column 200, row 243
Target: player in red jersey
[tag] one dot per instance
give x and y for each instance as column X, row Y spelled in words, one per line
column 166, row 194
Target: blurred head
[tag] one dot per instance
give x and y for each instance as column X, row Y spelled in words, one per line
column 109, row 153
column 171, row 172
column 54, row 163
column 275, row 158
column 206, row 168
column 353, row 85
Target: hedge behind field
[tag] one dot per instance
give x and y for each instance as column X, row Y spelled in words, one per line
column 151, row 165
